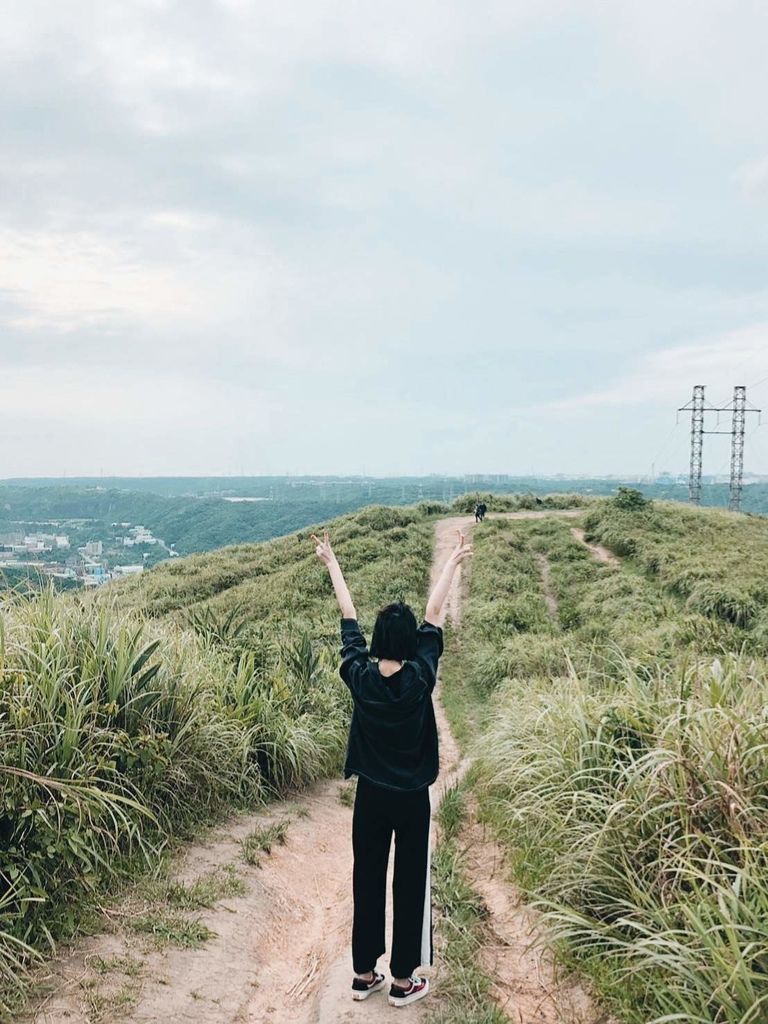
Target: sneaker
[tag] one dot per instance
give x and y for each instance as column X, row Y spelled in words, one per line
column 417, row 988
column 362, row 989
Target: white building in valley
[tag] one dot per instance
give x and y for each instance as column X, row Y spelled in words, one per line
column 126, row 570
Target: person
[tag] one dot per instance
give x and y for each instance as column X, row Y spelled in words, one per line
column 393, row 751
column 483, row 510
column 477, row 511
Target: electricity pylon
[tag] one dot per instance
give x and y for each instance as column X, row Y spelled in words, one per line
column 738, row 409
column 696, row 406
column 739, row 413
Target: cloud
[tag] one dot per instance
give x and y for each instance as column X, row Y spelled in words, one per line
column 668, row 375
column 326, row 205
column 67, row 281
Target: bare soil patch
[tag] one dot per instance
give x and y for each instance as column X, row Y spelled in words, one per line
column 527, row 984
column 601, row 553
column 546, row 585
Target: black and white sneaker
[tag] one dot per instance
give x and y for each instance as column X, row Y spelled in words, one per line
column 417, row 989
column 362, row 989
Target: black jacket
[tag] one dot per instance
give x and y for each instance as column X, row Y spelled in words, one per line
column 393, row 735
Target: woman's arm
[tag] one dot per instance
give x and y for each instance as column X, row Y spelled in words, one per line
column 325, row 553
column 443, row 585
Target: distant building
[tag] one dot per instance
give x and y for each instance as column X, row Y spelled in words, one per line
column 144, row 536
column 59, row 572
column 93, row 549
column 95, row 574
column 139, row 535
column 35, row 543
column 126, row 570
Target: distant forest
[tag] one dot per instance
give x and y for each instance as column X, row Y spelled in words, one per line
column 193, row 513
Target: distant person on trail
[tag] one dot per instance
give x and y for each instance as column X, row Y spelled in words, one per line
column 480, row 509
column 392, row 750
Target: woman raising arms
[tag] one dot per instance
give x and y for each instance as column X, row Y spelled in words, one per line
column 393, row 751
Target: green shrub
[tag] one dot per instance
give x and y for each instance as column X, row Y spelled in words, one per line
column 630, row 499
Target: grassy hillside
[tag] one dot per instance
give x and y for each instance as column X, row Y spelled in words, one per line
column 617, row 713
column 716, row 561
column 621, row 751
column 129, row 718
column 384, row 551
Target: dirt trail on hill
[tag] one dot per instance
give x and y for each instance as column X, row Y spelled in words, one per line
column 602, row 554
column 280, row 953
column 546, row 585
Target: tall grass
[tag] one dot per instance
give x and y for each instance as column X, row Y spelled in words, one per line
column 115, row 735
column 129, row 717
column 638, row 815
column 623, row 754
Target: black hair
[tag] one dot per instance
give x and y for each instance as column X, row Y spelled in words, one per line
column 394, row 635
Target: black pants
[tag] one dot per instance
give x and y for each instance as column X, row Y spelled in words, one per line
column 378, row 813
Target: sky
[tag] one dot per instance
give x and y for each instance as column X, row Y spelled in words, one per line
column 250, row 236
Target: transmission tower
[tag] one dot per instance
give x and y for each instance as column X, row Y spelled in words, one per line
column 696, row 407
column 738, row 409
column 737, row 447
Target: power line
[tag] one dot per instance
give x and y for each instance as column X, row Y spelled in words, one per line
column 664, row 445
column 756, row 450
column 746, row 362
column 758, row 383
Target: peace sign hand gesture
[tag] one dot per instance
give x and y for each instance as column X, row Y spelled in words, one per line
column 323, row 550
column 462, row 549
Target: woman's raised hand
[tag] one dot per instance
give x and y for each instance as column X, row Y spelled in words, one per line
column 462, row 549
column 323, row 548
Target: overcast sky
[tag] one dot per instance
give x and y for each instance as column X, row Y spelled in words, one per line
column 258, row 236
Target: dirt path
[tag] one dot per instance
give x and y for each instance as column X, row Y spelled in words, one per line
column 280, row 953
column 602, row 554
column 546, row 585
column 527, row 984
